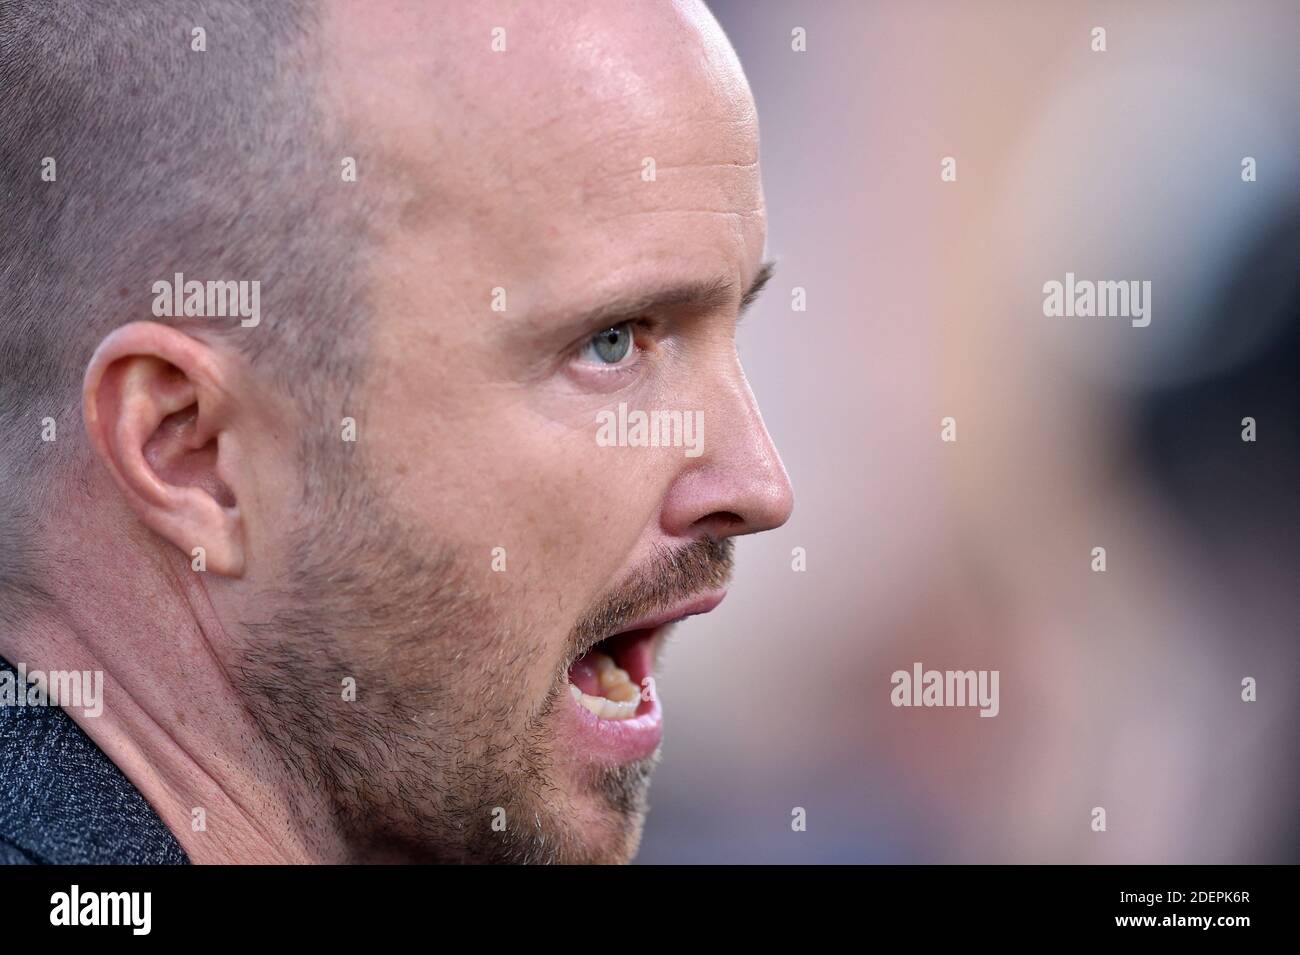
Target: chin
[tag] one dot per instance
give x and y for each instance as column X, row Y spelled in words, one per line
column 607, row 814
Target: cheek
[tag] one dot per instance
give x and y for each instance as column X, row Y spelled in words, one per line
column 565, row 516
column 577, row 513
column 545, row 519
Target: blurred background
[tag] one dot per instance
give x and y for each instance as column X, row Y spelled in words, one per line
column 1119, row 689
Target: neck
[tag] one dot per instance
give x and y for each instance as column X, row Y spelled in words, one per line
column 175, row 725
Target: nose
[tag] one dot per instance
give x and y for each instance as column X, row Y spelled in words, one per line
column 737, row 485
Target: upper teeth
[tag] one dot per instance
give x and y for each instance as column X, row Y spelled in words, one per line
column 621, row 697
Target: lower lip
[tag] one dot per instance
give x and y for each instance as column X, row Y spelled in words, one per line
column 609, row 742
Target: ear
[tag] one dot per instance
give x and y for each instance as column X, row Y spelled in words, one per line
column 157, row 412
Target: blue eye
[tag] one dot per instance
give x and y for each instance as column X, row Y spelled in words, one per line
column 611, row 345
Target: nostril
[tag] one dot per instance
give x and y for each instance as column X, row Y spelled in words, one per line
column 720, row 523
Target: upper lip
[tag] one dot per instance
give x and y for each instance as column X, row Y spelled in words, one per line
column 690, row 607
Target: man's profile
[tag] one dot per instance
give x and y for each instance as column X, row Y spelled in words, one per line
column 312, row 313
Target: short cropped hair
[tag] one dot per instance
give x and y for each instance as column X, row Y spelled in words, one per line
column 128, row 154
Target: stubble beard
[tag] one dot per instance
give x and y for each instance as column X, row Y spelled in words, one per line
column 434, row 759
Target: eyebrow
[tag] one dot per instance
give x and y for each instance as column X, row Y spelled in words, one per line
column 702, row 296
column 756, row 287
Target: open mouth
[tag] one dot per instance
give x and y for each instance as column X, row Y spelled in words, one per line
column 615, row 717
column 611, row 679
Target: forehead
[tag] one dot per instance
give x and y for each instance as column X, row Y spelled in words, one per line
column 604, row 140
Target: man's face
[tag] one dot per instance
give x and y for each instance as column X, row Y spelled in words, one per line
column 599, row 175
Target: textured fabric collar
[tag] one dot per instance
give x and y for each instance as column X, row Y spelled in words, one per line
column 63, row 801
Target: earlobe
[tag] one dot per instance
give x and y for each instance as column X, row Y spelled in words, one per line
column 155, row 412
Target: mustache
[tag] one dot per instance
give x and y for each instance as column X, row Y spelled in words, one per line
column 669, row 578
